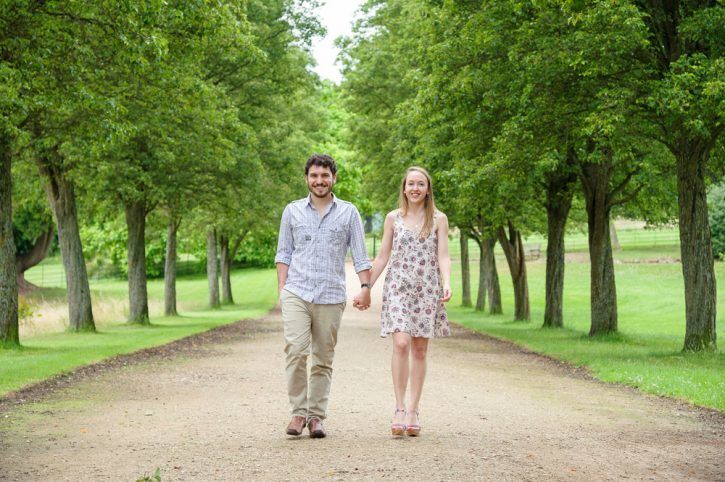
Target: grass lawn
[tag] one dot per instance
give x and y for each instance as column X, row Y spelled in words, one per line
column 647, row 351
column 43, row 356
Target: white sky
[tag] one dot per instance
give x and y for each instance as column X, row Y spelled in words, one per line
column 336, row 16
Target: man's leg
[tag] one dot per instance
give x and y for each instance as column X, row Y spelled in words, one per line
column 297, row 322
column 325, row 323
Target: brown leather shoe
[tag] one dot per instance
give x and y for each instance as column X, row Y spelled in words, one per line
column 296, row 425
column 314, row 425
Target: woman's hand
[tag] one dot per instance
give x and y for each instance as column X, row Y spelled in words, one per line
column 447, row 294
column 362, row 300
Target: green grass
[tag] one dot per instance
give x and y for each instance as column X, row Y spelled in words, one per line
column 647, row 352
column 44, row 356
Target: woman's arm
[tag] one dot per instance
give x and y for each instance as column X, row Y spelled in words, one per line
column 386, row 246
column 444, row 257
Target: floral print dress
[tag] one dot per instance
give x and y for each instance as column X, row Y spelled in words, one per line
column 413, row 288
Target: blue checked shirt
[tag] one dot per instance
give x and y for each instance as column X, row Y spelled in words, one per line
column 314, row 248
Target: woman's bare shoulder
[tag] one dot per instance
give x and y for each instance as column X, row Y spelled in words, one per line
column 392, row 214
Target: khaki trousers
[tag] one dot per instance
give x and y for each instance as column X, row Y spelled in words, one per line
column 309, row 329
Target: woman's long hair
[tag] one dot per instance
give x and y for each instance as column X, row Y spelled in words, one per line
column 428, row 203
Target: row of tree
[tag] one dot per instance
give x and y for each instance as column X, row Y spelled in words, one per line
column 522, row 108
column 195, row 112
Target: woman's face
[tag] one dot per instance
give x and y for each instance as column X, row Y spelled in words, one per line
column 416, row 187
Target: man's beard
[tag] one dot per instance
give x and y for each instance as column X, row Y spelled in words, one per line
column 314, row 193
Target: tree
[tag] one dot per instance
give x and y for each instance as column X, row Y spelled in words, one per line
column 176, row 125
column 8, row 285
column 51, row 59
column 272, row 92
column 682, row 100
column 465, row 271
column 569, row 105
column 12, row 23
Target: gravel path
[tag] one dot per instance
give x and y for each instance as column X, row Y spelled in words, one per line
column 214, row 408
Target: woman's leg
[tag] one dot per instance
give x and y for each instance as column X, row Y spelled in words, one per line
column 399, row 367
column 419, row 350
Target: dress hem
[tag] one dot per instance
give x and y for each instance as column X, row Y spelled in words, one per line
column 385, row 334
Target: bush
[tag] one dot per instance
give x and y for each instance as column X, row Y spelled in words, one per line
column 105, row 246
column 258, row 250
column 716, row 208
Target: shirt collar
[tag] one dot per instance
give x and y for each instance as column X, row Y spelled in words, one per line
column 309, row 200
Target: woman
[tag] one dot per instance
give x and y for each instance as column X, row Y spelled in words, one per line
column 416, row 286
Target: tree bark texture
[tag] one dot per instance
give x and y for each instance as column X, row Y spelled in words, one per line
column 558, row 203
column 698, row 266
column 212, row 268
column 170, row 269
column 25, row 261
column 61, row 196
column 137, row 291
column 9, row 335
column 595, row 180
column 493, row 287
column 226, row 265
column 483, row 278
column 465, row 271
column 513, row 248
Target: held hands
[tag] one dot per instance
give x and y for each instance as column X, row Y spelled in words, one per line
column 362, row 299
column 447, row 293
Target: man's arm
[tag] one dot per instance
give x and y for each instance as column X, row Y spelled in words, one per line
column 285, row 248
column 282, row 270
column 360, row 260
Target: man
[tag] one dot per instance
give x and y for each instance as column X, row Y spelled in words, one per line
column 315, row 234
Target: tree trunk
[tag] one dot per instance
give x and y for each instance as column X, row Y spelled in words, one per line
column 696, row 250
column 513, row 247
column 558, row 204
column 493, row 287
column 465, row 271
column 596, row 179
column 212, row 268
column 226, row 265
column 9, row 336
column 25, row 261
column 137, row 293
column 170, row 269
column 482, row 277
column 61, row 196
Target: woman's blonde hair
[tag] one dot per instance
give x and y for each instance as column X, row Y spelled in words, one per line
column 428, row 204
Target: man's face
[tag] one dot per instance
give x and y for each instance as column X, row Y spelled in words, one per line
column 320, row 181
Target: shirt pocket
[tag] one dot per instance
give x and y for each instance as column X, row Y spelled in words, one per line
column 302, row 235
column 336, row 236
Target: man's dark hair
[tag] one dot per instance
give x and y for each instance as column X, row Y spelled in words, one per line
column 322, row 160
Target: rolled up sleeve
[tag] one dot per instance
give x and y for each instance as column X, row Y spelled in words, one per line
column 357, row 243
column 285, row 243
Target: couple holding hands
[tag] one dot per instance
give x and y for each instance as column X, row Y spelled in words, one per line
column 314, row 237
